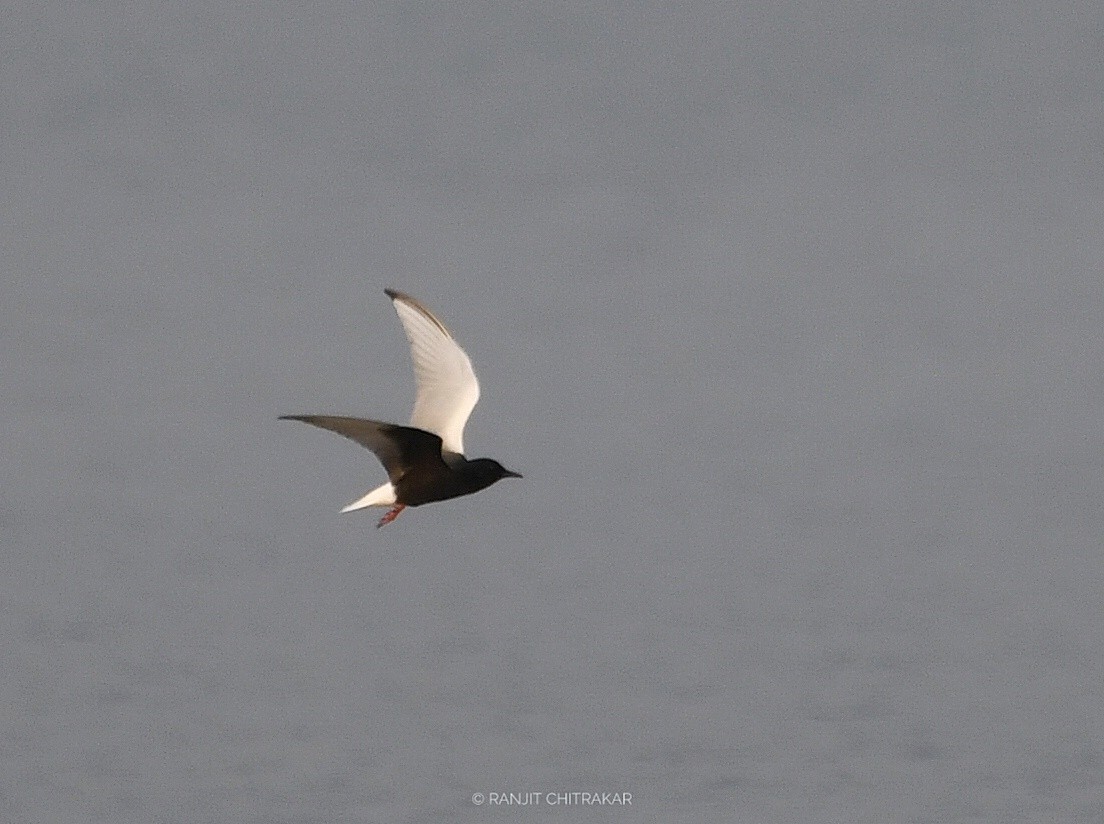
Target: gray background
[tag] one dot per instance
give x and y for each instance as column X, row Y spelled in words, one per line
column 790, row 313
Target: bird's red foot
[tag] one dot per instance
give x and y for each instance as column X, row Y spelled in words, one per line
column 391, row 515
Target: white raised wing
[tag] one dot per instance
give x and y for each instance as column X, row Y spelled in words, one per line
column 447, row 387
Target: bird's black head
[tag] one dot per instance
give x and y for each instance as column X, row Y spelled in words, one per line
column 489, row 471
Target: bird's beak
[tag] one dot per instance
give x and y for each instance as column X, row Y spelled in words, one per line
column 509, row 474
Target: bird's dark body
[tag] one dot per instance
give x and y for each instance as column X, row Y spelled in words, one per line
column 453, row 477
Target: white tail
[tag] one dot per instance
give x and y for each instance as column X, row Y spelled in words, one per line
column 380, row 496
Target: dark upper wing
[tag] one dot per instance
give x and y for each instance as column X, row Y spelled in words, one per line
column 397, row 447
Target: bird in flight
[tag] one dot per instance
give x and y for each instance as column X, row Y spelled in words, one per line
column 424, row 461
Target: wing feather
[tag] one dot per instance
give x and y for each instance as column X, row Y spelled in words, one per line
column 447, row 387
column 397, row 447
